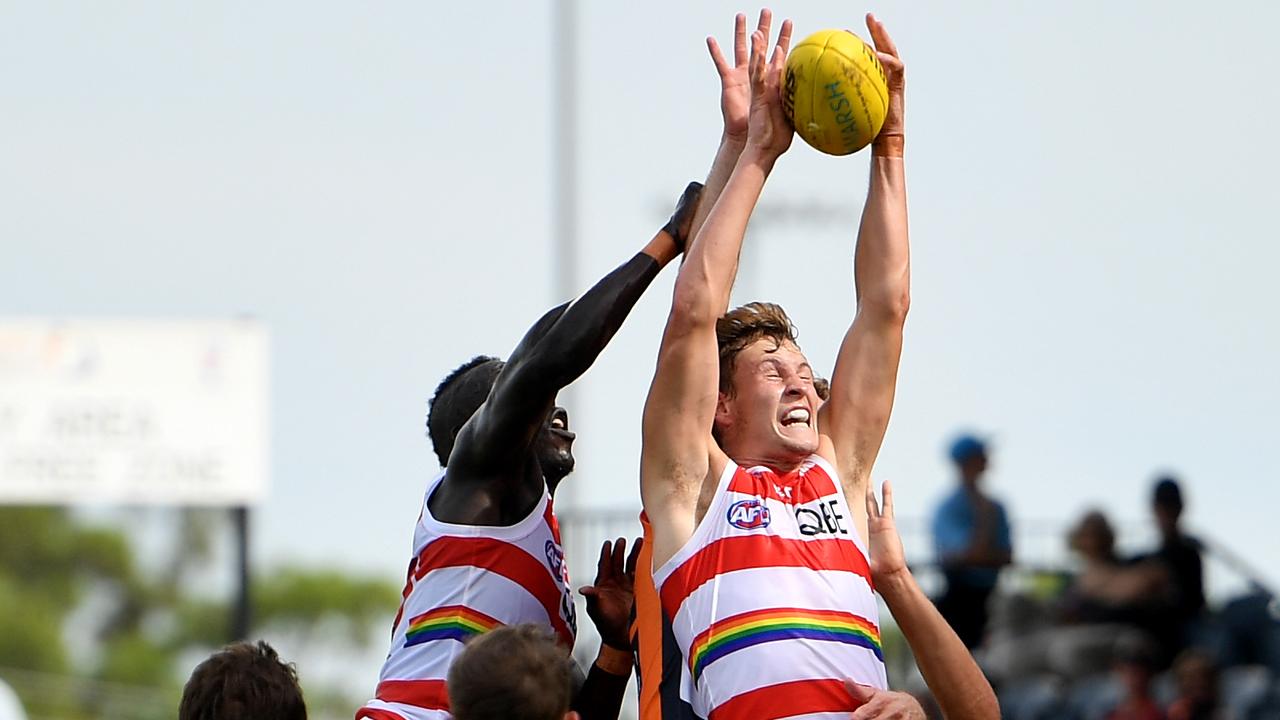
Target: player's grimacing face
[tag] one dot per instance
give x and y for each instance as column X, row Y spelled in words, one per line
column 773, row 412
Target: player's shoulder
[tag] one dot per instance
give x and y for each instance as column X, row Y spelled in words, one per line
column 451, row 503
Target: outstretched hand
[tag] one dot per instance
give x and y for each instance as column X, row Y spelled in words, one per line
column 767, row 126
column 895, row 76
column 887, row 556
column 735, row 80
column 610, row 598
column 879, row 704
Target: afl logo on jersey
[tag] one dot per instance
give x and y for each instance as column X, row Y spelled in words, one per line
column 749, row 514
column 555, row 558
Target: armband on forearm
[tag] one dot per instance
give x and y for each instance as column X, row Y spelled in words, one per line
column 888, row 145
column 614, row 660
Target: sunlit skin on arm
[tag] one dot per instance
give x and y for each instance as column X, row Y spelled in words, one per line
column 853, row 422
column 679, row 455
column 955, row 680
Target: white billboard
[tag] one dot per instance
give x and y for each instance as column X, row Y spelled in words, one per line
column 132, row 411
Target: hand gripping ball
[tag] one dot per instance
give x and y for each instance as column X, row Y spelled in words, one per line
column 835, row 93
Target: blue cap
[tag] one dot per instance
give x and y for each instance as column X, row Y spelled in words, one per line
column 965, row 447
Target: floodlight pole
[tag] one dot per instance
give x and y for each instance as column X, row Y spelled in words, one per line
column 564, row 173
column 240, row 609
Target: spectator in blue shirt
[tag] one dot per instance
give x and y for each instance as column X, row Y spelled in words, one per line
column 971, row 536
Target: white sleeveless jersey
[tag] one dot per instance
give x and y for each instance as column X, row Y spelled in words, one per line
column 771, row 599
column 464, row 580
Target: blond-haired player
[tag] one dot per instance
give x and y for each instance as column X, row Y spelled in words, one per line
column 756, row 492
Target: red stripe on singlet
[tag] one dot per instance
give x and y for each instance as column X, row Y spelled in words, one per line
column 500, row 558
column 549, row 517
column 404, row 594
column 368, row 713
column 798, row 697
column 728, row 555
column 815, row 485
column 425, row 694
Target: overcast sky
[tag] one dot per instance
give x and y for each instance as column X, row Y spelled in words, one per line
column 1092, row 192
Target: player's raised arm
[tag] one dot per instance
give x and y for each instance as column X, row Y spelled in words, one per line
column 682, row 400
column 953, row 677
column 866, row 370
column 735, row 102
column 559, row 347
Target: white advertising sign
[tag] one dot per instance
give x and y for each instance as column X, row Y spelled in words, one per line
column 130, row 411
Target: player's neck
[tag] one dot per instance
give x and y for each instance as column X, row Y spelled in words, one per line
column 747, row 452
column 780, row 465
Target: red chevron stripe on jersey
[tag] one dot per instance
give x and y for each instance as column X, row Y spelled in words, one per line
column 771, row 600
column 464, row 580
column 426, row 694
column 794, row 493
column 496, row 557
column 368, row 713
column 549, row 517
column 759, row 551
column 782, row 700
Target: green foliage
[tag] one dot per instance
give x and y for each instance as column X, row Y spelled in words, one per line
column 37, row 548
column 30, row 630
column 136, row 660
column 126, row 654
column 102, row 552
column 299, row 599
column 201, row 623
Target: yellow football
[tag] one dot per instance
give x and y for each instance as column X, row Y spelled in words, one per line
column 835, row 93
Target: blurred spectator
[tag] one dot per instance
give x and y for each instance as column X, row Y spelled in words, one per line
column 243, row 681
column 1099, row 612
column 1134, row 668
column 1197, row 681
column 1248, row 631
column 512, row 673
column 971, row 534
column 1107, row 590
column 1179, row 554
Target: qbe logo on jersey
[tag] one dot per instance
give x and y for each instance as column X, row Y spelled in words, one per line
column 750, row 514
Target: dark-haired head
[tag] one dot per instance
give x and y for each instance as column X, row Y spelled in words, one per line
column 457, row 398
column 1093, row 537
column 1166, row 501
column 243, row 681
column 461, row 394
column 512, row 673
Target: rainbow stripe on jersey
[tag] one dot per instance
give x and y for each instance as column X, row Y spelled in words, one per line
column 761, row 626
column 452, row 622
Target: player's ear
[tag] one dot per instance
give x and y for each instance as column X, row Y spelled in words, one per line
column 722, row 410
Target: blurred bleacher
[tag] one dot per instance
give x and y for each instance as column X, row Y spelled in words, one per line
column 1242, row 631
